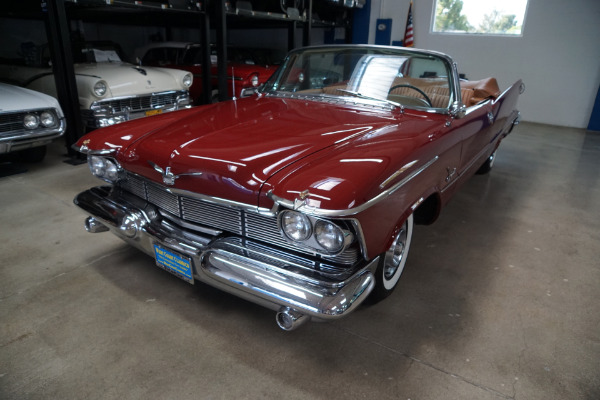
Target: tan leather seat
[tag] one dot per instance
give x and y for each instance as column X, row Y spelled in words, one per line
column 474, row 92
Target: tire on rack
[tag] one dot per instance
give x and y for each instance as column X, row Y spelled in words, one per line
column 392, row 262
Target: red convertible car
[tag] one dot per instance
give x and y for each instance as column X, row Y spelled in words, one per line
column 301, row 198
column 247, row 69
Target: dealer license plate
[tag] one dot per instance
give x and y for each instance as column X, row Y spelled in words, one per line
column 173, row 262
column 153, row 112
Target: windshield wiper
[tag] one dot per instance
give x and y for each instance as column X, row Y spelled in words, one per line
column 364, row 96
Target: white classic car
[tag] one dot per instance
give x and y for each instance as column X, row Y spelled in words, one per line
column 29, row 121
column 110, row 90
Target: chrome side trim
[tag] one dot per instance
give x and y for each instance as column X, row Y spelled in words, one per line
column 351, row 211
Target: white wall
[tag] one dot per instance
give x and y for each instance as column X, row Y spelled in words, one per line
column 558, row 56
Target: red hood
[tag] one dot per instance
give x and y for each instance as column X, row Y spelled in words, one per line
column 235, row 155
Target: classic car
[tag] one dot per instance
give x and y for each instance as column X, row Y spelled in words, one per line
column 29, row 121
column 110, row 90
column 245, row 69
column 303, row 197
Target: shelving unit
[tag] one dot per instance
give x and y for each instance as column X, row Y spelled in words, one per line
column 201, row 15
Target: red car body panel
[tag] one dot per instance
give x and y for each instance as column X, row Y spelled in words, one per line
column 245, row 157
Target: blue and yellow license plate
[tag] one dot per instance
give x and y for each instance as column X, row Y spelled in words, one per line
column 173, row 262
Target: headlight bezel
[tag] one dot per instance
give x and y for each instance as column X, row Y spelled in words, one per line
column 31, row 121
column 100, row 89
column 323, row 230
column 48, row 115
column 310, row 241
column 187, row 80
column 106, row 168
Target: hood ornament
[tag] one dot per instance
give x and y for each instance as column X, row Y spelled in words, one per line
column 168, row 177
column 301, row 200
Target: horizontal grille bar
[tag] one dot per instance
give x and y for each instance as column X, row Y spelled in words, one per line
column 141, row 103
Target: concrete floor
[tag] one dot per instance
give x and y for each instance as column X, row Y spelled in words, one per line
column 500, row 300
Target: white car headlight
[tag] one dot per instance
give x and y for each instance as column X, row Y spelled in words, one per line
column 296, row 226
column 48, row 119
column 104, row 168
column 31, row 121
column 187, row 80
column 329, row 236
column 99, row 88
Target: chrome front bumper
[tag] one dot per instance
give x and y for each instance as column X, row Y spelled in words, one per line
column 246, row 274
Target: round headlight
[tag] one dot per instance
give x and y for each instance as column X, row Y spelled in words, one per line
column 48, row 119
column 97, row 165
column 254, row 80
column 112, row 171
column 31, row 121
column 187, row 80
column 100, row 88
column 295, row 225
column 329, row 236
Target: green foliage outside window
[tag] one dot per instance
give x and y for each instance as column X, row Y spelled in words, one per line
column 489, row 17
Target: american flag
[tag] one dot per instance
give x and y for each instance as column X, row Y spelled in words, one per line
column 408, row 33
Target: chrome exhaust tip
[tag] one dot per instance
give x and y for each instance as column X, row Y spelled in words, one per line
column 288, row 319
column 92, row 225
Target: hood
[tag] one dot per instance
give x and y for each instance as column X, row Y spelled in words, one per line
column 236, row 145
column 126, row 79
column 14, row 98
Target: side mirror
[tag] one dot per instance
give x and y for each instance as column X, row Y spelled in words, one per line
column 458, row 110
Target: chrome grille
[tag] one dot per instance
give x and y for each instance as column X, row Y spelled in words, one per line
column 141, row 103
column 11, row 122
column 214, row 215
column 163, row 199
column 222, row 217
column 264, row 228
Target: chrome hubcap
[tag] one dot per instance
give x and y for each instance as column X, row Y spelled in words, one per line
column 395, row 253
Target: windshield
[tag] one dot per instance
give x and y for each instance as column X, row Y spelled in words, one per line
column 96, row 52
column 409, row 78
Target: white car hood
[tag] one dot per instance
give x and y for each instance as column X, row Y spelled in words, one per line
column 14, row 98
column 124, row 79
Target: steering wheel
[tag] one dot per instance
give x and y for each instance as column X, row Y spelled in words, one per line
column 413, row 88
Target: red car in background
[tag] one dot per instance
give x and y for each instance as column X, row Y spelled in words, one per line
column 247, row 69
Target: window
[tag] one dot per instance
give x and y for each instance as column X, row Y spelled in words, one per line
column 489, row 17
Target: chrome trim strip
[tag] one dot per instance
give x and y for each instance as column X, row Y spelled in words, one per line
column 351, row 211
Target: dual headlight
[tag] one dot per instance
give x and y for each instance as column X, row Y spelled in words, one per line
column 319, row 234
column 104, row 168
column 45, row 119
